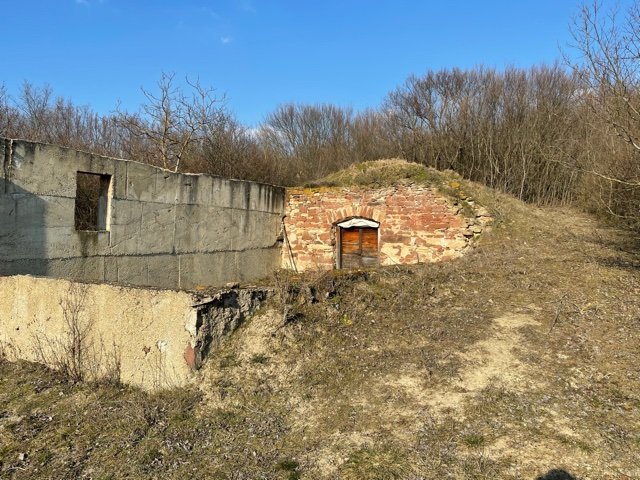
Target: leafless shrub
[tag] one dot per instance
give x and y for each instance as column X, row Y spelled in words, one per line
column 307, row 141
column 608, row 46
column 75, row 353
column 512, row 130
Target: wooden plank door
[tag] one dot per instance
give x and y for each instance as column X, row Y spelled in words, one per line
column 358, row 247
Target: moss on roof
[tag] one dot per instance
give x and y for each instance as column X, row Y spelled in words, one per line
column 382, row 173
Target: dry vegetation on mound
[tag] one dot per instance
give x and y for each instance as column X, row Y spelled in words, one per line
column 516, row 359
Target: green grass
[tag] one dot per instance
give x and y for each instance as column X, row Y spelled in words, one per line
column 473, row 440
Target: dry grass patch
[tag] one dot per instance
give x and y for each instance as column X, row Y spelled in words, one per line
column 517, row 359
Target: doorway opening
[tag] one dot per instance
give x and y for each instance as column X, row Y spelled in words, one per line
column 357, row 243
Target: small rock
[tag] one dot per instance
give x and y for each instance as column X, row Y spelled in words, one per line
column 232, row 285
column 22, row 456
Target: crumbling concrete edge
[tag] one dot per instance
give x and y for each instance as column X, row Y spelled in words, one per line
column 216, row 317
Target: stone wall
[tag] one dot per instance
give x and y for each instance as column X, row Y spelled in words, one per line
column 163, row 229
column 417, row 224
column 158, row 338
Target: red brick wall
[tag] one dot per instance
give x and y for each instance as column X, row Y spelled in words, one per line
column 416, row 224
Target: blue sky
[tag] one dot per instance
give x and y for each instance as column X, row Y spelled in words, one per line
column 264, row 53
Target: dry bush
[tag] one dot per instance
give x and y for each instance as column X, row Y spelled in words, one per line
column 607, row 68
column 76, row 353
column 510, row 130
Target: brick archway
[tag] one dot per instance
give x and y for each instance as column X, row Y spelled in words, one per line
column 351, row 211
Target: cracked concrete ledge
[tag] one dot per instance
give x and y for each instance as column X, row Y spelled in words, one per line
column 159, row 338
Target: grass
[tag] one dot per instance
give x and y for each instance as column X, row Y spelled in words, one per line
column 393, row 171
column 473, row 440
column 260, row 359
column 382, row 172
column 347, row 384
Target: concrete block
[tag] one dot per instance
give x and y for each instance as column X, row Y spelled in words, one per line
column 143, row 270
column 220, row 192
column 58, row 212
column 132, row 270
column 167, row 187
column 157, row 228
column 257, row 264
column 60, row 242
column 30, row 266
column 7, row 214
column 239, row 194
column 207, row 269
column 101, row 165
column 89, row 244
column 41, row 170
column 24, row 243
column 258, row 229
column 89, row 269
column 203, row 229
column 119, row 179
column 266, row 198
column 126, row 225
column 141, row 182
column 195, row 189
column 30, row 210
column 111, row 269
column 163, row 270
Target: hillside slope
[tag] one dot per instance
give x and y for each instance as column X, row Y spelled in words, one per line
column 519, row 358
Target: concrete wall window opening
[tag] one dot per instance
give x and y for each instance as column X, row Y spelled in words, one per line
column 92, row 201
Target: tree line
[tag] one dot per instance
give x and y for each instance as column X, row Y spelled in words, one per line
column 567, row 133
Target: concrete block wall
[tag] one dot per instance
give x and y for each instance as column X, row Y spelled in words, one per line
column 417, row 224
column 165, row 230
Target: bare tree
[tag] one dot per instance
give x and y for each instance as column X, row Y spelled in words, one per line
column 172, row 123
column 610, row 66
column 5, row 111
column 608, row 44
column 307, row 141
column 513, row 130
column 372, row 136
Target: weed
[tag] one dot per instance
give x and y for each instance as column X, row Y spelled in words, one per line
column 75, row 353
column 292, row 467
column 473, row 440
column 575, row 442
column 229, row 360
column 259, row 359
column 383, row 463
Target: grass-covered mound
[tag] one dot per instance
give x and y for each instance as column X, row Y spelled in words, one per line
column 383, row 173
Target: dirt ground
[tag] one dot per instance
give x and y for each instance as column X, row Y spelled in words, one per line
column 518, row 359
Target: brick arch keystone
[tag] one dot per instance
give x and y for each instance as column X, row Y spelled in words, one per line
column 364, row 211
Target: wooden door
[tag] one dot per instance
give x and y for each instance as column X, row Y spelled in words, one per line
column 358, row 247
